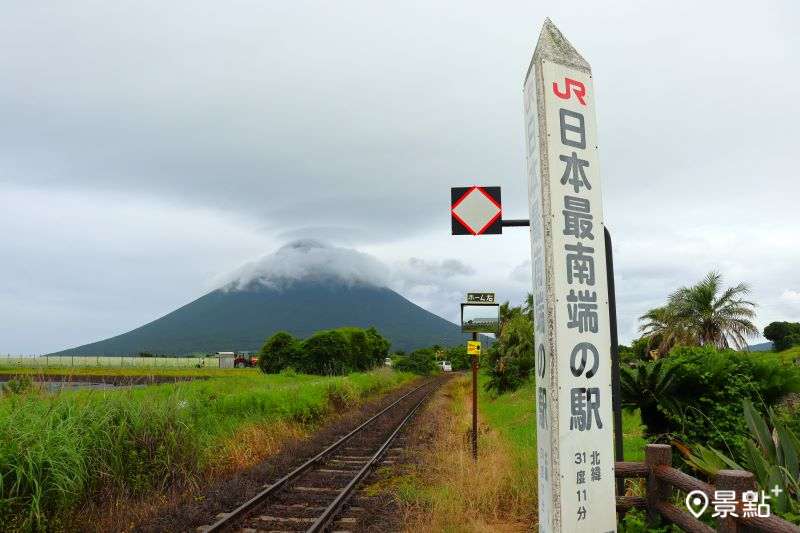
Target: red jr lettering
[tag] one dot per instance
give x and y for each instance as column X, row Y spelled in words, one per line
column 571, row 85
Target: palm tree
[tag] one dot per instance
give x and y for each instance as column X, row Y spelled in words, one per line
column 699, row 315
column 528, row 307
column 518, row 337
column 663, row 330
column 722, row 320
column 507, row 313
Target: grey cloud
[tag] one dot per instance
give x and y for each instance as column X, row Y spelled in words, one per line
column 789, row 302
column 349, row 122
column 522, row 273
column 439, row 269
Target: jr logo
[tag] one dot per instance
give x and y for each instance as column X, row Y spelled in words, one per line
column 571, row 85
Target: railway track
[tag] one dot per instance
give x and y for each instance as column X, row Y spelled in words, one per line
column 311, row 496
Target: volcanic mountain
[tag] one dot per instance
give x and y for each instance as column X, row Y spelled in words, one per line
column 301, row 289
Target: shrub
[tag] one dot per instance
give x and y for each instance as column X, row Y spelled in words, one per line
column 335, row 351
column 637, row 351
column 457, row 355
column 772, row 454
column 277, row 352
column 652, row 388
column 509, row 374
column 19, row 385
column 783, row 335
column 696, row 393
column 342, row 395
column 420, row 362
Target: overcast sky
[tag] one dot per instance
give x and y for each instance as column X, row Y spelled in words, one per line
column 149, row 149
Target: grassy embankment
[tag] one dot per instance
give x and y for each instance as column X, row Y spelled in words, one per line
column 62, row 452
column 498, row 493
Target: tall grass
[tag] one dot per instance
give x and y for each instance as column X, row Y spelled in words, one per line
column 496, row 493
column 60, row 451
column 451, row 492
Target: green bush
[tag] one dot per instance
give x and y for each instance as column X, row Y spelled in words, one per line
column 330, row 352
column 457, row 355
column 277, row 353
column 637, row 351
column 421, row 362
column 19, row 385
column 783, row 335
column 637, row 521
column 509, row 374
column 772, row 454
column 653, row 389
column 696, row 393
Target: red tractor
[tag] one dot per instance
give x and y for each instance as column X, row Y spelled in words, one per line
column 244, row 361
column 240, row 359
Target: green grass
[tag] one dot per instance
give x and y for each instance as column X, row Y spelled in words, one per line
column 633, row 440
column 58, row 451
column 791, row 355
column 514, row 416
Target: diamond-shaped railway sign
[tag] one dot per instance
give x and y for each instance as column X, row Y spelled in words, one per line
column 476, row 210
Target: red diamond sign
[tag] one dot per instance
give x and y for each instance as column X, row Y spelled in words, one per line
column 476, row 210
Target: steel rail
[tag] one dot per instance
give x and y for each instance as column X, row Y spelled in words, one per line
column 333, row 509
column 259, row 498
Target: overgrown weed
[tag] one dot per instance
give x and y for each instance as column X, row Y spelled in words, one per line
column 452, row 492
column 61, row 452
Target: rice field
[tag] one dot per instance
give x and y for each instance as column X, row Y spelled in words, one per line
column 9, row 362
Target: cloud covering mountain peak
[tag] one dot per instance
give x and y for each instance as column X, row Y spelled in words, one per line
column 308, row 260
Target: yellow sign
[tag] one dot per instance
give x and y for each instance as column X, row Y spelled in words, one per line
column 473, row 347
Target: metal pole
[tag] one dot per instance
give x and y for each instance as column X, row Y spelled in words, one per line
column 515, row 222
column 615, row 391
column 474, row 402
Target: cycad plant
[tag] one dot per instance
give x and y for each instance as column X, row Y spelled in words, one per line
column 772, row 454
column 652, row 388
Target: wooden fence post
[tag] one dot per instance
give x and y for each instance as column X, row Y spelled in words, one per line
column 656, row 455
column 738, row 481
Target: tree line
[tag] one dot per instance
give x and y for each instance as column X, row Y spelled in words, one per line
column 334, row 351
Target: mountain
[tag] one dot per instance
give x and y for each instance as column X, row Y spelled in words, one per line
column 763, row 347
column 242, row 317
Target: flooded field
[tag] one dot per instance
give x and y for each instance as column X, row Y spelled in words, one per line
column 59, row 386
column 65, row 382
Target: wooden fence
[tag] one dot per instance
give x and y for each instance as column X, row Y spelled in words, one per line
column 662, row 478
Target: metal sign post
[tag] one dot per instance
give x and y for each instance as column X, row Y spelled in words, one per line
column 474, row 349
column 571, row 297
column 478, row 317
